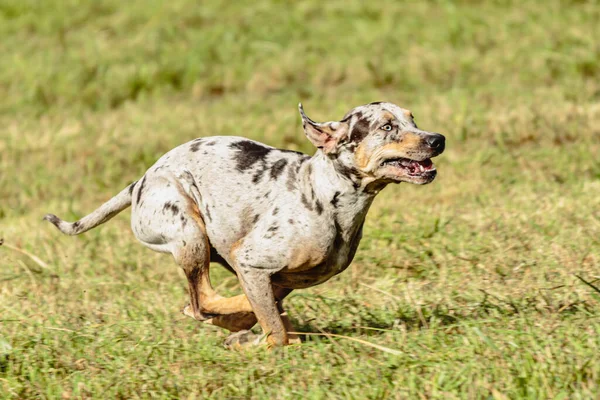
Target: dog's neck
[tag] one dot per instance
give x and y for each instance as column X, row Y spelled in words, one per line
column 347, row 199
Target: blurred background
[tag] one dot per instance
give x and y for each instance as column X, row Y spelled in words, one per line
column 483, row 284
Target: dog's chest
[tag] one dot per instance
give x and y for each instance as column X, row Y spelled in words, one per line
column 339, row 256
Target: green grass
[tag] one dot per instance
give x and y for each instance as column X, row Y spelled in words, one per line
column 478, row 281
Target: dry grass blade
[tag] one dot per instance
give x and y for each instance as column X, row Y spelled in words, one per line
column 33, row 257
column 376, row 346
column 381, row 291
column 588, row 283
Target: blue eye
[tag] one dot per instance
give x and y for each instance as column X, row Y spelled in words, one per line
column 387, row 127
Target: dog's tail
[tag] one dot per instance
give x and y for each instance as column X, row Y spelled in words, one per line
column 102, row 214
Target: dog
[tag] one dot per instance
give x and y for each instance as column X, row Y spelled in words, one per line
column 279, row 219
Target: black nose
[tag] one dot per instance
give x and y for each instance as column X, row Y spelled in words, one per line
column 436, row 141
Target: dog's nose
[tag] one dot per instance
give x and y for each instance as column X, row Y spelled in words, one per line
column 436, row 141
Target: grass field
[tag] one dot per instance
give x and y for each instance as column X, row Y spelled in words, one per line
column 484, row 284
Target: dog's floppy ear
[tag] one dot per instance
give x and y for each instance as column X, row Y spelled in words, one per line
column 326, row 135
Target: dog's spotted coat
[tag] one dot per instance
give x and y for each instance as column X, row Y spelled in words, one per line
column 279, row 219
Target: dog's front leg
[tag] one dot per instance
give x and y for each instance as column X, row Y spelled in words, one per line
column 280, row 294
column 244, row 321
column 259, row 291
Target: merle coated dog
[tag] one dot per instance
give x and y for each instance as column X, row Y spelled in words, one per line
column 279, row 219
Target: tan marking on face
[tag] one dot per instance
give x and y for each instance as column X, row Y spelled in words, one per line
column 410, row 141
column 388, row 116
column 407, row 113
column 363, row 155
column 360, row 155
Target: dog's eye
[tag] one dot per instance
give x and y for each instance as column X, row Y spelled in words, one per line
column 387, row 127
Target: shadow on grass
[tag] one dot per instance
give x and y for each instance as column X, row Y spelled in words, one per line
column 352, row 316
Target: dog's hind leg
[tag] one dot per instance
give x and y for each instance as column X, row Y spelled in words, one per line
column 204, row 301
column 166, row 219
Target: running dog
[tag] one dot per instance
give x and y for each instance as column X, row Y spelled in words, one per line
column 280, row 220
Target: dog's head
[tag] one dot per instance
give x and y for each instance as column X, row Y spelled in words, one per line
column 378, row 142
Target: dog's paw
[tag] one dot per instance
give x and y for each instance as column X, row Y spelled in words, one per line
column 244, row 339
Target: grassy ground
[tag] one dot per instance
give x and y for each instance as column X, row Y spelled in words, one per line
column 477, row 281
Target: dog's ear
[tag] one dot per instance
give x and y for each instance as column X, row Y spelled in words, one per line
column 327, row 135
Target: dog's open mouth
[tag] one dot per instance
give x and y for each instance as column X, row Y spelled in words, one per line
column 411, row 167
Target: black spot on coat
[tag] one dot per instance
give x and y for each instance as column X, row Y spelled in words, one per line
column 170, row 206
column 360, row 130
column 259, row 174
column 291, row 181
column 131, row 187
column 319, row 207
column 196, row 145
column 305, row 202
column 351, row 173
column 278, row 167
column 53, row 219
column 248, row 153
column 338, row 240
column 140, row 190
column 336, row 198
